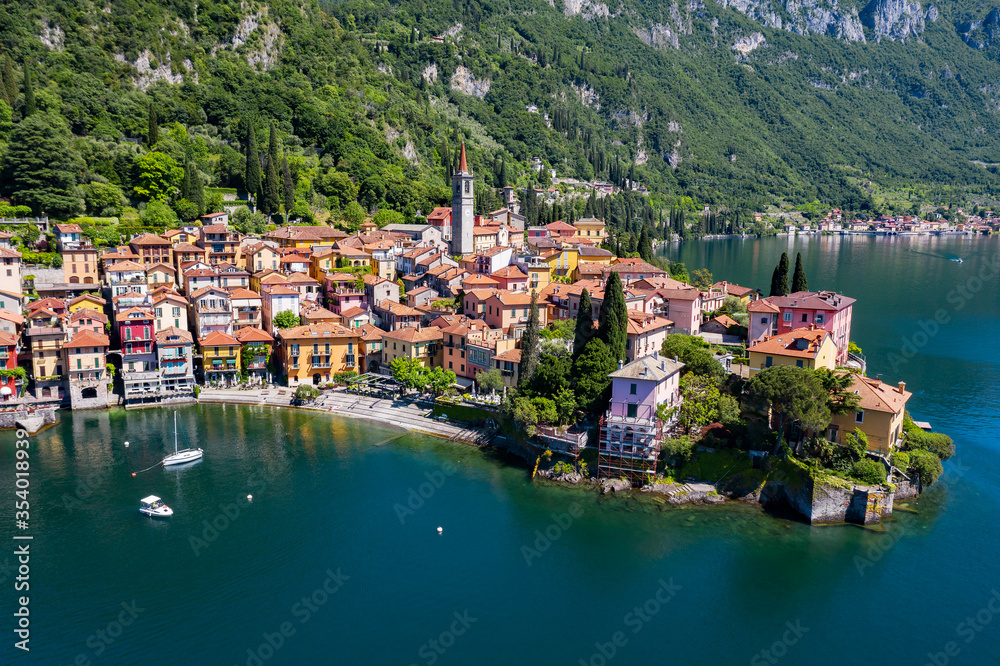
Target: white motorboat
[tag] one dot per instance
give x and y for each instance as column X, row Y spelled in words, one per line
column 154, row 507
column 184, row 455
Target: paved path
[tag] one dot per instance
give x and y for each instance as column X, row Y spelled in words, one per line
column 399, row 413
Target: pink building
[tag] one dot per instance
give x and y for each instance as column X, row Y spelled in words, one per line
column 631, row 429
column 826, row 309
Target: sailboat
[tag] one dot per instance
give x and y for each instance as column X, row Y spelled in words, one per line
column 184, row 455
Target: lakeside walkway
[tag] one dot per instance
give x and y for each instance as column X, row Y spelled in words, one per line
column 400, row 413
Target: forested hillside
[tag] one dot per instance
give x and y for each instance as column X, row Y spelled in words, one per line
column 135, row 109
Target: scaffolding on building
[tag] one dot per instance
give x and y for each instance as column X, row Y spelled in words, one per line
column 629, row 447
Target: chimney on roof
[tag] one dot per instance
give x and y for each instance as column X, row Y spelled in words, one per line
column 902, row 387
column 620, row 364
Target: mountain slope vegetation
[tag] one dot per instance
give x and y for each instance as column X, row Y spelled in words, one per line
column 738, row 106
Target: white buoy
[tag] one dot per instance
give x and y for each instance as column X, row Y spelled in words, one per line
column 440, row 530
column 126, row 445
column 249, row 498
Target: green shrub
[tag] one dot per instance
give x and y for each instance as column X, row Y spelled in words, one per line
column 901, row 459
column 935, row 442
column 927, row 466
column 869, row 472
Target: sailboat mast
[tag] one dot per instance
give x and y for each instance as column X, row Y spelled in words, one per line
column 175, row 432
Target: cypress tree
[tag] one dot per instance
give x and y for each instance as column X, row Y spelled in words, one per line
column 270, row 191
column 9, row 81
column 799, row 282
column 779, row 279
column 613, row 319
column 645, row 246
column 289, row 186
column 186, row 183
column 251, row 177
column 775, row 285
column 29, row 92
column 529, row 345
column 584, row 324
column 272, row 146
column 153, row 134
column 197, row 193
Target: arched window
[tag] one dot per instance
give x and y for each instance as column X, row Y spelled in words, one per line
column 467, row 183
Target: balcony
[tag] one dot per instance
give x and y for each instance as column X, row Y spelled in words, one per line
column 320, row 361
column 256, row 365
column 174, row 369
column 87, row 383
column 140, row 376
column 349, row 360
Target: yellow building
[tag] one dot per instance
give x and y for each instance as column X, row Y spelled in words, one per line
column 313, row 354
column 879, row 414
column 562, row 262
column 87, row 302
column 591, row 229
column 422, row 344
column 811, row 348
column 220, row 356
column 539, row 275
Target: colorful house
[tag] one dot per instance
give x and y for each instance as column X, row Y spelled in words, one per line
column 86, row 358
column 220, row 354
column 632, row 427
column 879, row 414
column 175, row 351
column 256, row 351
column 811, row 348
column 10, row 385
column 313, row 354
column 826, row 309
column 423, row 345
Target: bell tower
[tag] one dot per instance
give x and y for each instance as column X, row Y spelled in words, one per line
column 462, row 211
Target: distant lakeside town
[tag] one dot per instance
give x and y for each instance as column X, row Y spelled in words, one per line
column 613, row 369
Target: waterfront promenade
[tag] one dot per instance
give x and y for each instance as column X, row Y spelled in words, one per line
column 401, row 413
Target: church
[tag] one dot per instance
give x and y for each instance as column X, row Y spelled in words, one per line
column 463, row 219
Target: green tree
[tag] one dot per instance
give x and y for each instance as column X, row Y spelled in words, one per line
column 701, row 278
column 779, row 279
column 591, row 370
column 553, row 374
column 694, row 353
column 490, row 380
column 9, row 81
column 288, row 186
column 584, row 324
column 613, row 318
column 158, row 214
column 251, row 176
column 354, row 215
column 529, row 345
column 440, row 380
column 250, row 224
column 869, row 472
column 799, row 281
column 40, row 169
column 153, row 131
column 795, row 395
column 645, row 246
column 926, row 465
column 386, row 216
column 29, row 91
column 196, row 193
column 285, row 319
column 159, row 176
column 270, row 199
column 525, row 415
column 565, row 401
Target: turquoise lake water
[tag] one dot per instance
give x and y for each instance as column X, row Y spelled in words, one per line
column 337, row 558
